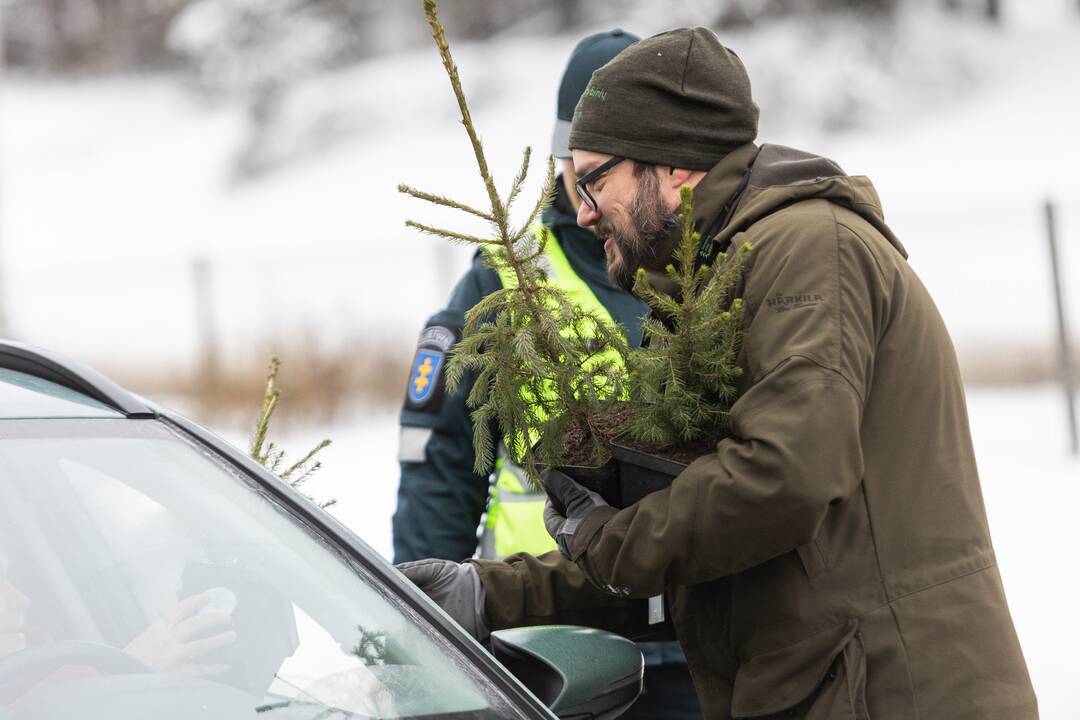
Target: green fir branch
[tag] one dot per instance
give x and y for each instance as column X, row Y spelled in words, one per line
column 526, row 348
column 446, row 234
column 547, row 197
column 444, row 201
column 683, row 381
column 438, row 33
column 269, row 455
column 519, row 179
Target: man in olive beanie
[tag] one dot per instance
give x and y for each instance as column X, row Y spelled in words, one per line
column 830, row 558
column 679, row 99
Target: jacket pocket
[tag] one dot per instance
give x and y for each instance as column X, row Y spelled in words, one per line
column 822, row 677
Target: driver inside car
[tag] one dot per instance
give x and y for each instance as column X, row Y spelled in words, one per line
column 177, row 643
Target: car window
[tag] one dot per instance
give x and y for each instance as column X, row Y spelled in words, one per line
column 23, row 395
column 125, row 542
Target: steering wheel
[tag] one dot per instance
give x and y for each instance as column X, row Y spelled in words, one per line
column 28, row 667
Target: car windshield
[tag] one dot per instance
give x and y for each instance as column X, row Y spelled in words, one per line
column 143, row 576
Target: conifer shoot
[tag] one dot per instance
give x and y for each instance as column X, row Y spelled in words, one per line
column 540, row 362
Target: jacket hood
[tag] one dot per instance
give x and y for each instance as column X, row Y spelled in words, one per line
column 780, row 176
column 761, row 181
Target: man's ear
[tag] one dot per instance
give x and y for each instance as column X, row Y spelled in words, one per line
column 675, row 177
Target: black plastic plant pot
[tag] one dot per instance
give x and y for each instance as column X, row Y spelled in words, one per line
column 601, row 479
column 639, row 472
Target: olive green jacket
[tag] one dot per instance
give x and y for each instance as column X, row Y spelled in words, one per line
column 832, row 558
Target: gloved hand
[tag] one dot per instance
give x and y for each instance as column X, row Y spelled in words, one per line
column 455, row 587
column 567, row 505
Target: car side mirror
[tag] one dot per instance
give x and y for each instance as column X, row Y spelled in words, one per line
column 577, row 672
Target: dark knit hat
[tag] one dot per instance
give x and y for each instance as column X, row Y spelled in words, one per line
column 679, row 98
column 588, row 55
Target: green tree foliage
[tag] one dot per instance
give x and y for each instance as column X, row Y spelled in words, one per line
column 683, row 380
column 371, row 648
column 540, row 362
column 272, row 457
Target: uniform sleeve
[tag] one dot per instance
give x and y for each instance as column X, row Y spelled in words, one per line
column 440, row 496
column 812, row 287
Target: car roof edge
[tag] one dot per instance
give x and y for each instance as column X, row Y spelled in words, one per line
column 53, row 367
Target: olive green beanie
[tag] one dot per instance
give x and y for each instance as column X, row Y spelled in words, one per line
column 679, row 98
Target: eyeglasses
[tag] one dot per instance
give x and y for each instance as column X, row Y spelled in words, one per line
column 590, row 177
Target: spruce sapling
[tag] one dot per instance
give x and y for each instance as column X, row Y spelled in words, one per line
column 272, row 457
column 683, row 380
column 540, row 363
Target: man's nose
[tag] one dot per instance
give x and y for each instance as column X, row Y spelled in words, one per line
column 586, row 216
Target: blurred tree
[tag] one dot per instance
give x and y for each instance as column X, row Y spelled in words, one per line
column 87, row 35
column 744, row 13
column 260, row 50
column 475, row 19
column 568, row 14
column 992, row 10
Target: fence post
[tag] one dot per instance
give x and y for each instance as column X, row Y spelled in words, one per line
column 209, row 358
column 1064, row 351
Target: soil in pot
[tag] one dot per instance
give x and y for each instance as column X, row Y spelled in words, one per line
column 580, row 453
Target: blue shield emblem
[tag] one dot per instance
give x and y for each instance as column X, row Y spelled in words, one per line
column 425, row 375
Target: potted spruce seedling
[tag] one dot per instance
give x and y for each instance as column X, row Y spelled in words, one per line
column 543, row 370
column 682, row 380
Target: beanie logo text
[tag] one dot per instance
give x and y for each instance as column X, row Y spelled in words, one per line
column 593, row 91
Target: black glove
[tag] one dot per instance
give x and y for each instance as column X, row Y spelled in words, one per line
column 455, row 587
column 567, row 505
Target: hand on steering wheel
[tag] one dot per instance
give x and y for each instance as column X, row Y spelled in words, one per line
column 26, row 668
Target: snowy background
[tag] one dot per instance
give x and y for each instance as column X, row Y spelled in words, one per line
column 276, row 167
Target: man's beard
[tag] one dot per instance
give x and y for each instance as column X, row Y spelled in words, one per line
column 637, row 236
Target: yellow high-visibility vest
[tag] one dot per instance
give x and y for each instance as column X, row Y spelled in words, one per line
column 515, row 514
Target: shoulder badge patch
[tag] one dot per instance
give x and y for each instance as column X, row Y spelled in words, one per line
column 425, row 390
column 425, row 375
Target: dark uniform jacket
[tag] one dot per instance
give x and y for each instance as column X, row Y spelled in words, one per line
column 441, row 498
column 832, row 558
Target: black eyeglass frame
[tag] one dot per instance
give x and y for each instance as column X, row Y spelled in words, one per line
column 592, row 176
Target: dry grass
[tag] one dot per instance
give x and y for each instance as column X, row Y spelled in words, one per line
column 1011, row 364
column 317, row 383
column 320, row 384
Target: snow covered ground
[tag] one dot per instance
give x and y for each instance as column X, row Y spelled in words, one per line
column 1031, row 488
column 1032, row 491
column 111, row 188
